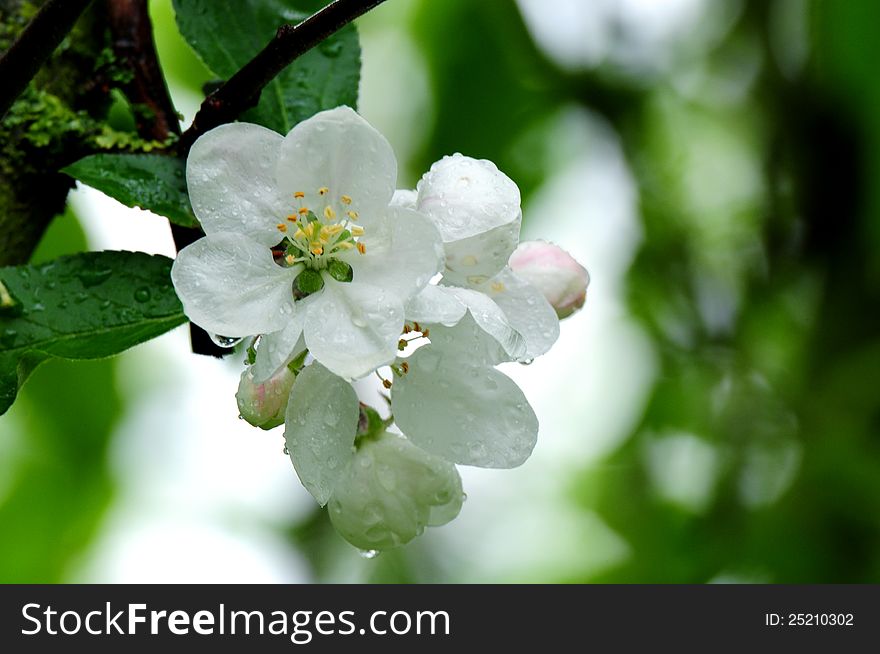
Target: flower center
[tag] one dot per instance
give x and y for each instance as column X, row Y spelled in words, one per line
column 320, row 228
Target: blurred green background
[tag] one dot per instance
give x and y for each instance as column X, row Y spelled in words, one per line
column 712, row 415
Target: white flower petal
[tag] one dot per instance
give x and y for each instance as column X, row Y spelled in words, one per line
column 405, row 198
column 391, row 491
column 526, row 309
column 475, row 259
column 339, row 150
column 230, row 285
column 467, row 341
column 230, row 173
column 465, row 197
column 491, row 319
column 320, row 427
column 435, row 305
column 403, row 252
column 463, row 411
column 278, row 348
column 353, row 328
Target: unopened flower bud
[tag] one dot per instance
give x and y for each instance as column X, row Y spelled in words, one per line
column 263, row 405
column 391, row 491
column 561, row 279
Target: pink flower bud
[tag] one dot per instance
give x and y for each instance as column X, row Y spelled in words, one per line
column 561, row 279
column 263, row 405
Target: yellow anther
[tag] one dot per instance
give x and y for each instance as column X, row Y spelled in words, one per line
column 362, row 248
column 497, row 287
column 405, row 367
column 352, row 214
column 345, row 199
column 357, row 230
column 290, row 259
column 333, row 230
column 281, row 227
column 299, row 195
column 309, row 230
column 323, row 190
column 292, row 218
column 316, row 248
column 299, row 234
column 386, row 383
column 345, row 245
column 329, row 214
column 303, row 210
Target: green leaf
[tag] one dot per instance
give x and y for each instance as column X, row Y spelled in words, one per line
column 150, row 181
column 309, row 281
column 226, row 34
column 84, row 306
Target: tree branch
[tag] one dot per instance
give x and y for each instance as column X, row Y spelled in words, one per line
column 37, row 42
column 133, row 45
column 243, row 89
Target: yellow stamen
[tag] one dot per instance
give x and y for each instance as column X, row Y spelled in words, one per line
column 329, row 214
column 362, row 248
column 405, row 367
column 333, row 230
column 323, row 190
column 345, row 245
column 292, row 218
column 290, row 259
column 299, row 234
column 497, row 287
column 352, row 214
column 281, row 227
column 386, row 383
column 316, row 249
column 357, row 230
column 303, row 210
column 299, row 195
column 345, row 199
column 309, row 230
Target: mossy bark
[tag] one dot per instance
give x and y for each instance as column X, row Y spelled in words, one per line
column 46, row 128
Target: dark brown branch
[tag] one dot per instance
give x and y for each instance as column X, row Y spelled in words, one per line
column 243, row 89
column 34, row 46
column 134, row 47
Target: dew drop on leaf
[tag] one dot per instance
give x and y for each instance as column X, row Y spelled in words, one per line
column 142, row 295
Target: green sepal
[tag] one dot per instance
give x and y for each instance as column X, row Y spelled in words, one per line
column 309, row 281
column 340, row 271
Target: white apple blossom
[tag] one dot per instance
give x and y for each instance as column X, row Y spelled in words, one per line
column 451, row 401
column 301, row 241
column 382, row 490
column 476, row 209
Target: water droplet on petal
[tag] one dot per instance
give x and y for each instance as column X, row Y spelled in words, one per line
column 225, row 341
column 369, row 554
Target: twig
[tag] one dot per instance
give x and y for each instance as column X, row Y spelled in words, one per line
column 243, row 89
column 35, row 45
